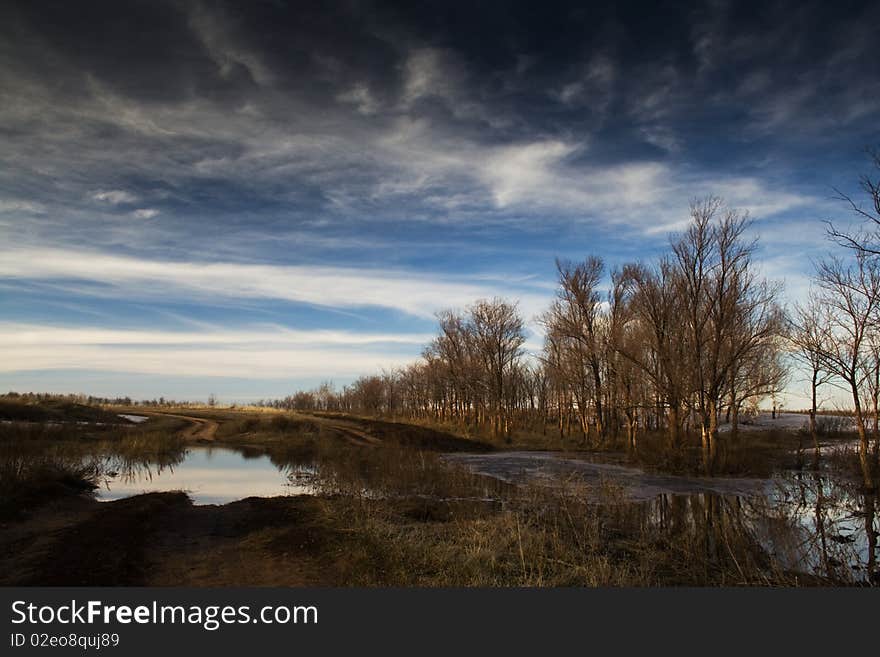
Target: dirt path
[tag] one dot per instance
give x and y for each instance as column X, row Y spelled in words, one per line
column 347, row 430
column 374, row 432
column 200, row 429
column 204, row 430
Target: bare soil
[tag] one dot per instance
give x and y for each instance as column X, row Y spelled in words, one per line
column 199, row 429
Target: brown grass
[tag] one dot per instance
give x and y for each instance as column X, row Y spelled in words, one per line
column 393, row 513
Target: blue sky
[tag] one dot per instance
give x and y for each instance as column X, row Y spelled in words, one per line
column 248, row 199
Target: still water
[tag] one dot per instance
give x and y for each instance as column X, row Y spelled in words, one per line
column 211, row 475
column 809, row 522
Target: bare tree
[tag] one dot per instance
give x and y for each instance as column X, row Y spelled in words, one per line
column 729, row 313
column 809, row 334
column 759, row 374
column 865, row 241
column 577, row 316
column 454, row 348
column 660, row 354
column 626, row 337
column 851, row 295
column 498, row 333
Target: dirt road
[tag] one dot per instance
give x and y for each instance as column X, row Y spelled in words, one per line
column 200, row 429
column 346, row 430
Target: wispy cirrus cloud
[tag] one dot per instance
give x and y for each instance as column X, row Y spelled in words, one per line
column 408, row 292
column 250, row 352
column 16, row 334
column 248, row 362
column 114, row 196
column 145, row 213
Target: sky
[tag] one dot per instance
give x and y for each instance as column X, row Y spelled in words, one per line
column 245, row 199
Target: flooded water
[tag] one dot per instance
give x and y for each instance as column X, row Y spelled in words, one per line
column 551, row 468
column 137, row 419
column 211, row 475
column 809, row 522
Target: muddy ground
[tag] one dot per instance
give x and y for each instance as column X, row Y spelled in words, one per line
column 161, row 539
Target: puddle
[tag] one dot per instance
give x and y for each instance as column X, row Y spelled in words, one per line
column 551, row 468
column 137, row 419
column 212, row 475
column 809, row 522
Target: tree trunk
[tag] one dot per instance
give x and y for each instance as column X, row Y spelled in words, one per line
column 597, row 382
column 875, row 457
column 709, row 436
column 872, row 537
column 631, row 430
column 814, row 434
column 674, row 426
column 734, row 421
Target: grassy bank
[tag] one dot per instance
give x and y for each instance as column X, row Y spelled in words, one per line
column 41, row 461
column 389, row 511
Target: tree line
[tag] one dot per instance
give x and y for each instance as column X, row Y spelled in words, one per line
column 679, row 345
column 672, row 345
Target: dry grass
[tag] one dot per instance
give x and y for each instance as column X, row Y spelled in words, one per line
column 44, row 461
column 545, row 538
column 393, row 513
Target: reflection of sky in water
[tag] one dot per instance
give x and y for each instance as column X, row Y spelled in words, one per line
column 211, row 475
column 813, row 502
column 780, row 512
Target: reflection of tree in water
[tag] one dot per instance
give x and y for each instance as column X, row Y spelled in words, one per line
column 130, row 470
column 844, row 538
column 871, row 533
column 812, row 525
column 717, row 530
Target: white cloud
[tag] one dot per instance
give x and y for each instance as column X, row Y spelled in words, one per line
column 114, row 196
column 443, row 75
column 262, row 351
column 571, row 91
column 429, row 73
column 336, row 287
column 145, row 213
column 418, row 160
column 591, row 86
column 361, row 98
column 18, row 334
column 557, row 175
column 243, row 362
column 7, row 205
column 216, row 34
column 519, row 174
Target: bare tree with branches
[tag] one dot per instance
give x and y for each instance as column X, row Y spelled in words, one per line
column 576, row 316
column 498, row 333
column 864, row 241
column 729, row 313
column 851, row 295
column 809, row 334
